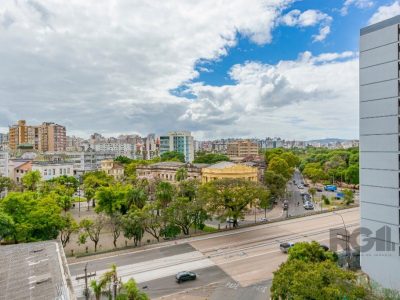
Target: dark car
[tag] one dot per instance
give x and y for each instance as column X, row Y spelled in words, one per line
column 185, row 276
column 325, row 247
column 286, row 246
column 319, row 190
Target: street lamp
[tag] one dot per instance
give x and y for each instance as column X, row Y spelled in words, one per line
column 346, row 237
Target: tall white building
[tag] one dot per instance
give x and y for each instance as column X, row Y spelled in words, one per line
column 179, row 141
column 379, row 151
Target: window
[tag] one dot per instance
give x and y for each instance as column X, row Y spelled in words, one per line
column 45, row 172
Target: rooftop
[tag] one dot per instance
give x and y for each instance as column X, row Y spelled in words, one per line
column 380, row 25
column 34, row 271
column 222, row 165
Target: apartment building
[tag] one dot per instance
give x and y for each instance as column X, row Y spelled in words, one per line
column 45, row 137
column 379, row 151
column 241, row 149
column 179, row 141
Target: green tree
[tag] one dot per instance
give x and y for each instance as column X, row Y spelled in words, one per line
column 229, row 198
column 311, row 252
column 209, row 158
column 181, row 174
column 152, row 220
column 348, row 196
column 115, row 222
column 7, row 226
column 280, row 166
column 63, row 201
column 275, row 183
column 130, row 291
column 189, row 188
column 110, row 199
column 5, row 184
column 298, row 279
column 182, row 212
column 165, row 192
column 31, row 180
column 135, row 196
column 123, row 160
column 173, row 156
column 291, row 159
column 97, row 288
column 352, row 174
column 94, row 228
column 92, row 181
column 133, row 226
column 68, row 227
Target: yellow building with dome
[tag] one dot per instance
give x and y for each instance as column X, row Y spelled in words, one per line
column 225, row 169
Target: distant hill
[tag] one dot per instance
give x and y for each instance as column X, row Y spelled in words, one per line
column 328, row 140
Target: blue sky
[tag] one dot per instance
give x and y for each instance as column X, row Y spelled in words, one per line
column 288, row 42
column 220, row 68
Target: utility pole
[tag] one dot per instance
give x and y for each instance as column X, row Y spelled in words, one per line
column 86, row 276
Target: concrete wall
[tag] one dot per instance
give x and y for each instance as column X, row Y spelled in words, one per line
column 379, row 149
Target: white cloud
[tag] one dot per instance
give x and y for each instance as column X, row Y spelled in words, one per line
column 309, row 18
column 291, row 99
column 357, row 3
column 385, row 12
column 109, row 66
column 323, row 33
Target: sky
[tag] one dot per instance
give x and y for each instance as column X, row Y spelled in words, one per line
column 219, row 68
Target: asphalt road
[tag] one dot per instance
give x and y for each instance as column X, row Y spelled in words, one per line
column 230, row 265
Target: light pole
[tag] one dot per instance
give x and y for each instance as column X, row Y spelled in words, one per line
column 346, row 238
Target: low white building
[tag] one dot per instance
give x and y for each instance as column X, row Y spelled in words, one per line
column 50, row 170
column 4, row 164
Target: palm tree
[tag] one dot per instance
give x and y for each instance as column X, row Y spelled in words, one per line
column 133, row 292
column 136, row 196
column 181, row 174
column 97, row 288
column 164, row 193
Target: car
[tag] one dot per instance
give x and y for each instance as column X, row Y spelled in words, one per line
column 306, row 185
column 286, row 246
column 300, row 186
column 263, row 219
column 308, row 205
column 325, row 247
column 319, row 190
column 185, row 276
column 330, row 188
column 230, row 220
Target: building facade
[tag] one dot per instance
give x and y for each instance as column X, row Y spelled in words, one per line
column 229, row 170
column 379, row 151
column 179, row 141
column 49, row 170
column 17, row 168
column 4, row 163
column 112, row 168
column 167, row 170
column 44, row 137
column 241, row 149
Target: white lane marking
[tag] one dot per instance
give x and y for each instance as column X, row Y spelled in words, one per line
column 218, row 235
column 154, row 269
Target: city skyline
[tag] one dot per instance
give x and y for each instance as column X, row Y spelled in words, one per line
column 235, row 74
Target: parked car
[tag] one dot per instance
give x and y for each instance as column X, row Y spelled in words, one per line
column 263, row 220
column 319, row 190
column 230, row 220
column 300, row 186
column 339, row 196
column 286, row 246
column 330, row 188
column 306, row 184
column 185, row 276
column 308, row 205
